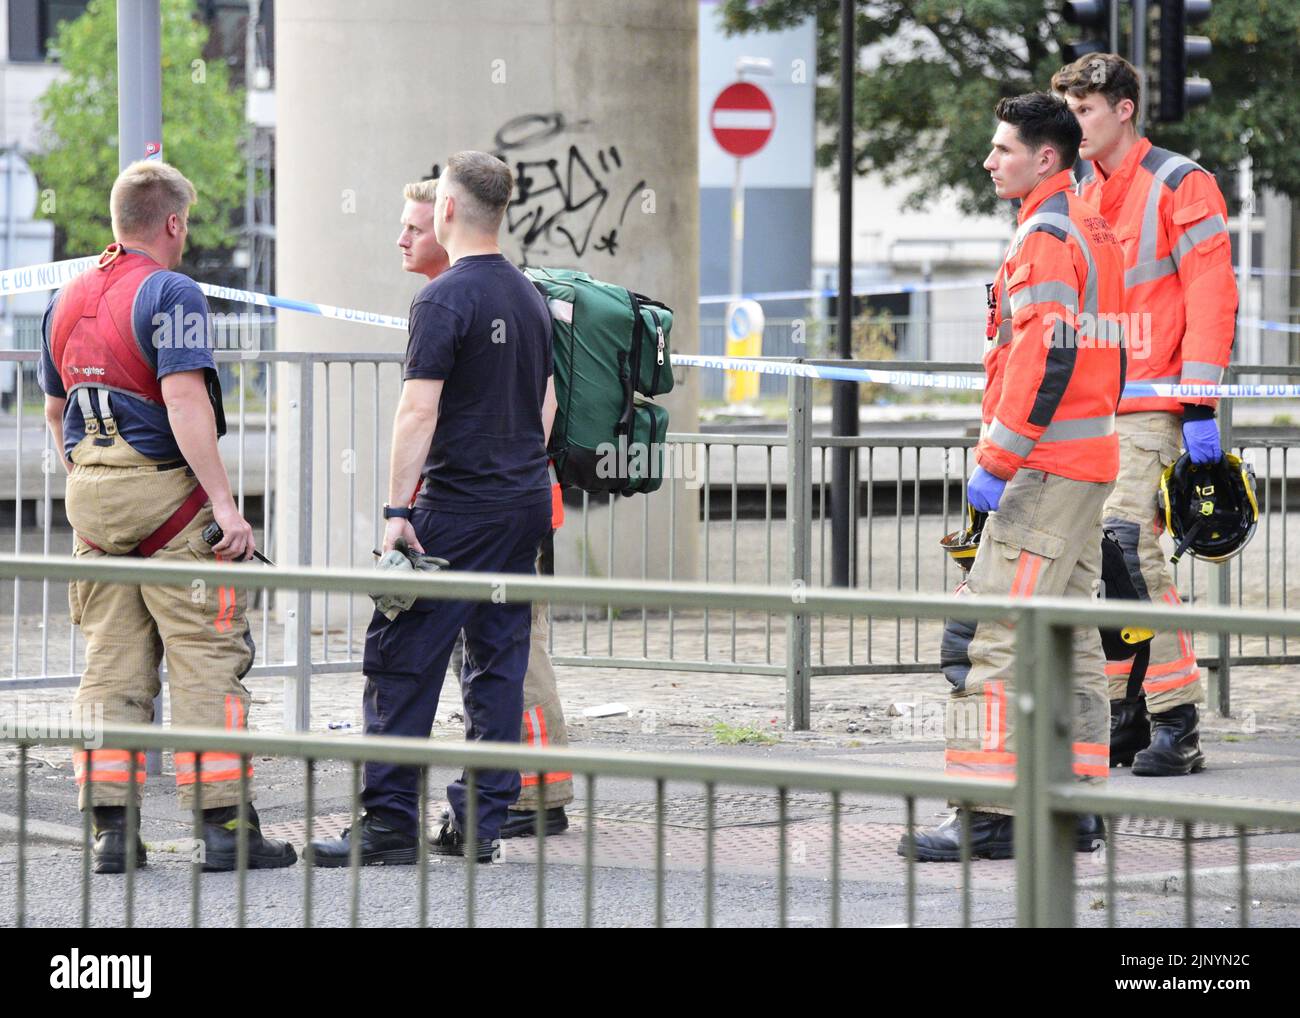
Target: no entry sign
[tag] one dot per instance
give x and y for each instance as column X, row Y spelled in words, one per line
column 742, row 119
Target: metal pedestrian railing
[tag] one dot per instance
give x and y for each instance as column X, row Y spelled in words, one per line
column 307, row 455
column 1046, row 801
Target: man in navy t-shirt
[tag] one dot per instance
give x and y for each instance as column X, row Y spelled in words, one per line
column 470, row 431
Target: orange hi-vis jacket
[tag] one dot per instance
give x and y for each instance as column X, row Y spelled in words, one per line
column 1055, row 353
column 1171, row 220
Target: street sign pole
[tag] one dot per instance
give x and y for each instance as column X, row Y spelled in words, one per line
column 737, row 229
column 139, row 136
column 844, row 405
column 1138, row 56
column 139, row 81
column 742, row 120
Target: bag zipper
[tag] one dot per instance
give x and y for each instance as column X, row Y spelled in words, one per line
column 659, row 356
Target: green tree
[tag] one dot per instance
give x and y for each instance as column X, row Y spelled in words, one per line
column 931, row 71
column 202, row 129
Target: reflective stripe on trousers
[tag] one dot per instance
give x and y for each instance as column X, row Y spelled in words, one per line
column 535, row 727
column 112, row 766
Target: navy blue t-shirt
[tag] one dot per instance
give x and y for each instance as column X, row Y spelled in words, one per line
column 484, row 329
column 170, row 320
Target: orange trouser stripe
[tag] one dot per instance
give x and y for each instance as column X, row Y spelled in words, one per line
column 1026, row 574
column 1193, row 674
column 535, row 723
column 980, row 763
column 1091, row 759
column 529, row 780
column 111, row 766
column 213, row 768
column 995, row 716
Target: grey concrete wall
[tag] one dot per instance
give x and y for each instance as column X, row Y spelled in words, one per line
column 594, row 105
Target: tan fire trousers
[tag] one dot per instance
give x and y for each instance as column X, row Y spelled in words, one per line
column 1149, row 442
column 543, row 722
column 116, row 498
column 1044, row 540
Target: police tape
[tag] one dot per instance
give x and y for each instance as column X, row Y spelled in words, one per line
column 969, row 382
column 924, row 379
column 52, row 275
column 873, row 290
column 307, row 307
column 46, row 276
column 1267, row 326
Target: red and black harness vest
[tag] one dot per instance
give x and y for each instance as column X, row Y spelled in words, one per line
column 96, row 351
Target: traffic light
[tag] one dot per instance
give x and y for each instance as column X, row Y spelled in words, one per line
column 1093, row 15
column 1177, row 50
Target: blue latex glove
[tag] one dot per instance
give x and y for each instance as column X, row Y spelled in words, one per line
column 984, row 490
column 1201, row 439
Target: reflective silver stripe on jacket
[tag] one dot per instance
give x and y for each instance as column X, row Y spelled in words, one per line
column 1051, row 291
column 1064, row 224
column 1160, row 380
column 1148, row 268
column 1058, row 431
column 1201, row 372
column 1203, row 230
column 1079, row 428
column 1012, row 441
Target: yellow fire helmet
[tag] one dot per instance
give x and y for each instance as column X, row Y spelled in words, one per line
column 1209, row 508
column 961, row 545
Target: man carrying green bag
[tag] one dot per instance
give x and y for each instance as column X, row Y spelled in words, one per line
column 610, row 348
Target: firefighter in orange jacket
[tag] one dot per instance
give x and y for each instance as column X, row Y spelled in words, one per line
column 1171, row 220
column 1047, row 457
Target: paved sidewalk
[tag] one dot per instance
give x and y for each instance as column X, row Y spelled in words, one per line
column 887, row 720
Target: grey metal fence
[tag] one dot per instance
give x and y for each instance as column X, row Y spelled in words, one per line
column 907, row 490
column 1046, row 800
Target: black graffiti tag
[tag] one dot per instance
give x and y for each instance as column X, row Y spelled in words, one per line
column 558, row 202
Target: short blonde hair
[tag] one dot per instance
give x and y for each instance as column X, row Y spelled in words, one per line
column 422, row 191
column 145, row 194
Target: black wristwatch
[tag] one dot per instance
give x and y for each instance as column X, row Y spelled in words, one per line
column 400, row 512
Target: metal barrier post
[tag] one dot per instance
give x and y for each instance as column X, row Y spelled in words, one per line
column 297, row 687
column 798, row 515
column 1219, row 680
column 1044, row 840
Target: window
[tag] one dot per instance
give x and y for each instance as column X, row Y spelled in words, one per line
column 33, row 25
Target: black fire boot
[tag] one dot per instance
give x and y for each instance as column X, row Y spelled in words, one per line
column 383, row 843
column 451, row 841
column 1175, row 745
column 990, row 838
column 1130, row 730
column 523, row 823
column 1091, row 833
column 221, row 842
column 109, row 849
